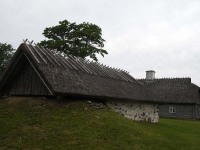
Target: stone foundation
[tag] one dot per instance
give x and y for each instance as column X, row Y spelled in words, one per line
column 136, row 111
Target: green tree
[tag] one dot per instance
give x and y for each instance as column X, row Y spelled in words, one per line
column 6, row 52
column 79, row 40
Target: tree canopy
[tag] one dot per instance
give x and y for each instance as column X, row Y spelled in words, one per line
column 73, row 39
column 6, row 52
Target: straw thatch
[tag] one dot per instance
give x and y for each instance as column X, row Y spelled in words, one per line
column 174, row 90
column 66, row 75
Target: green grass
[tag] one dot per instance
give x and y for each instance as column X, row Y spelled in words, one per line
column 36, row 123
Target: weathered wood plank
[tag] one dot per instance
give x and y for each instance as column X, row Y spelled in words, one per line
column 27, row 82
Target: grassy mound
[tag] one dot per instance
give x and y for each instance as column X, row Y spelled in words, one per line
column 36, row 123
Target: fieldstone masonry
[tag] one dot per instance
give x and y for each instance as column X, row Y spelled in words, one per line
column 136, row 111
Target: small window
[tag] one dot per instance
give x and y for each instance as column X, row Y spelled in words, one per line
column 172, row 109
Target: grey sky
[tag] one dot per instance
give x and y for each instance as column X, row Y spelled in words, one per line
column 161, row 35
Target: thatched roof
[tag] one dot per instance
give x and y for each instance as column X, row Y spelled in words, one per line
column 65, row 75
column 174, row 90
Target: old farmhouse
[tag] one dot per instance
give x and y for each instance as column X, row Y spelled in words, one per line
column 35, row 71
column 180, row 98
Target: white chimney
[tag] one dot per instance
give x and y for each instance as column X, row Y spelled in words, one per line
column 150, row 74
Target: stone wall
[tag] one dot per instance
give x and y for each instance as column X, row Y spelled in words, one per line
column 136, row 111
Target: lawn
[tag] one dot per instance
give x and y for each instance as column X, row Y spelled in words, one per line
column 39, row 123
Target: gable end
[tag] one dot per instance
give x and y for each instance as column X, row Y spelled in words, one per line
column 25, row 80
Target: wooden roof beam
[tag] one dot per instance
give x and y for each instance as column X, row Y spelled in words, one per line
column 30, row 50
column 38, row 53
column 47, row 53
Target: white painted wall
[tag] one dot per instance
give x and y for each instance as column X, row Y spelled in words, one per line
column 136, row 111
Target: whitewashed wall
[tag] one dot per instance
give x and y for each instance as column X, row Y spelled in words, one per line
column 136, row 111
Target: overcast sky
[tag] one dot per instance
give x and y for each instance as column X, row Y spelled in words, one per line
column 160, row 35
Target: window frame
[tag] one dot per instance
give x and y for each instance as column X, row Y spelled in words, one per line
column 172, row 109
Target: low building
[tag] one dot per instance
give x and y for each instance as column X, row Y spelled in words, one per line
column 35, row 71
column 180, row 98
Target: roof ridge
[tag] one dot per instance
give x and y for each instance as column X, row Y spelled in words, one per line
column 60, row 59
column 164, row 78
column 173, row 80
